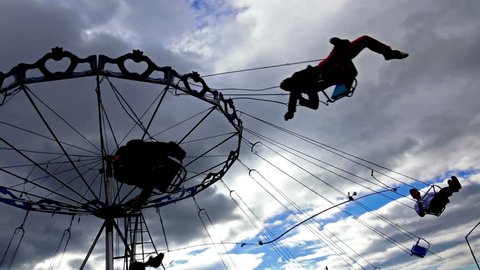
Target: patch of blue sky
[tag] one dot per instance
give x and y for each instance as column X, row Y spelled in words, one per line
column 277, row 250
column 284, row 216
column 180, row 261
column 206, row 5
column 197, row 4
column 274, row 227
column 470, row 267
column 210, row 11
column 270, row 260
column 196, row 252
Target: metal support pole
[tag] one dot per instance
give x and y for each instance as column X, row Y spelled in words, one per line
column 92, row 246
column 109, row 221
column 109, row 243
column 107, row 169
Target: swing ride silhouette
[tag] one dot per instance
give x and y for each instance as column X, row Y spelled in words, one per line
column 140, row 165
column 144, row 136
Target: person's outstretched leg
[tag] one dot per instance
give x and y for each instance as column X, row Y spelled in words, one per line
column 376, row 46
column 137, row 266
column 444, row 193
column 454, row 183
column 313, row 101
column 155, row 261
column 440, row 200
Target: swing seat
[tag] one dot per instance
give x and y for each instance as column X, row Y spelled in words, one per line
column 419, row 251
column 339, row 91
column 343, row 90
column 348, row 83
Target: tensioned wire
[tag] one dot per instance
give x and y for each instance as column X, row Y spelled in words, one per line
column 395, row 242
column 263, row 67
column 311, row 227
column 351, row 157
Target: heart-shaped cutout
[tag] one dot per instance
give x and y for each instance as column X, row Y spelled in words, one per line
column 134, row 67
column 60, row 66
column 8, row 81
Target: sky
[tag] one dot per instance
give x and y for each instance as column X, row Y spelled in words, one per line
column 413, row 122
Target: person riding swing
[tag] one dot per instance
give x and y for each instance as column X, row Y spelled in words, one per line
column 336, row 69
column 148, row 165
column 154, row 262
column 434, row 203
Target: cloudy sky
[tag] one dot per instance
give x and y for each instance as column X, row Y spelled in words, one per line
column 414, row 122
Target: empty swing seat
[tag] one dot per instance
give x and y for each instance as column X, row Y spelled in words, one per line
column 418, row 250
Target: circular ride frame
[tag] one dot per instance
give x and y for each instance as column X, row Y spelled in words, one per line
column 97, row 67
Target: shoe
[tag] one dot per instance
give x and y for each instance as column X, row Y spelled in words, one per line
column 455, row 182
column 155, row 262
column 288, row 116
column 395, row 54
column 452, row 186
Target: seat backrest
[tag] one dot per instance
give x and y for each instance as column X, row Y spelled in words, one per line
column 340, row 91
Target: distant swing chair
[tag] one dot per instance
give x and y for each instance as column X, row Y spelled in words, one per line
column 420, row 250
column 434, row 189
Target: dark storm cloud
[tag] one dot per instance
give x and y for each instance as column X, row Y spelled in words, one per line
column 43, row 233
column 170, row 20
column 30, row 28
column 49, row 26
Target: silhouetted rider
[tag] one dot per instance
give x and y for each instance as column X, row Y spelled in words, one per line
column 148, row 165
column 337, row 68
